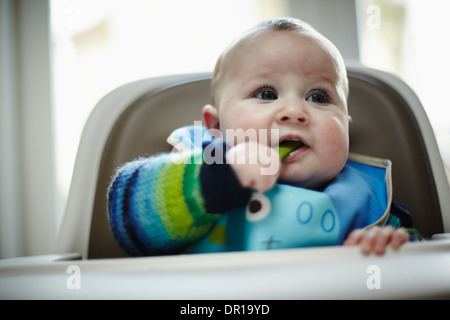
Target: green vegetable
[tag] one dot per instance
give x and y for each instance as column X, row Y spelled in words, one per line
column 286, row 147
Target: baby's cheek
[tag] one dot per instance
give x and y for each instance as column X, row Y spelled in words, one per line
column 336, row 132
column 335, row 140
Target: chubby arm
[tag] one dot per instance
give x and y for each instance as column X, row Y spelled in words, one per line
column 159, row 206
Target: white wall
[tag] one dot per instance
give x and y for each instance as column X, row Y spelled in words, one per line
column 10, row 222
column 27, row 184
column 335, row 19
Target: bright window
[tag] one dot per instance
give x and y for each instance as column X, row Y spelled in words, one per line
column 409, row 39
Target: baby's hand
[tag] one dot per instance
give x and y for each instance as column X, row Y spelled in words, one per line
column 256, row 165
column 376, row 239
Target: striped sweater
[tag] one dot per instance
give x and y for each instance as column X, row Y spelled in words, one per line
column 159, row 206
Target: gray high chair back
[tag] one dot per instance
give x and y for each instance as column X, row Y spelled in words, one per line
column 135, row 120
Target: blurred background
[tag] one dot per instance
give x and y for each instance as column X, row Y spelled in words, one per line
column 58, row 58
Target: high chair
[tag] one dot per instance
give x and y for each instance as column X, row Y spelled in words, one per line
column 134, row 121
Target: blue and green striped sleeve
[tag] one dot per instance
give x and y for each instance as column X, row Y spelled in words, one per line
column 157, row 206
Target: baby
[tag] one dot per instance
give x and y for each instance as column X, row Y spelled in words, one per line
column 284, row 75
column 281, row 76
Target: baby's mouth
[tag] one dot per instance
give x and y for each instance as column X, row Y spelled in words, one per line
column 289, row 145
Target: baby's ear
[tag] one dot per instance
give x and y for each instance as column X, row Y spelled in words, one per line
column 211, row 119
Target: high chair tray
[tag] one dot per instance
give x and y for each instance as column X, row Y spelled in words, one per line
column 416, row 270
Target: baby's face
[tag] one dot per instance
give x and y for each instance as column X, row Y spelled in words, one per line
column 290, row 82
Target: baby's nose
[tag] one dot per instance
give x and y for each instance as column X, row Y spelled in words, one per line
column 284, row 119
column 293, row 115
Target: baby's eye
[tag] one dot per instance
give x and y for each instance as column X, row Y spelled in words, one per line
column 318, row 96
column 266, row 94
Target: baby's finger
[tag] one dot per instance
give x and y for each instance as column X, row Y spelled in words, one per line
column 368, row 240
column 383, row 237
column 399, row 237
column 354, row 238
